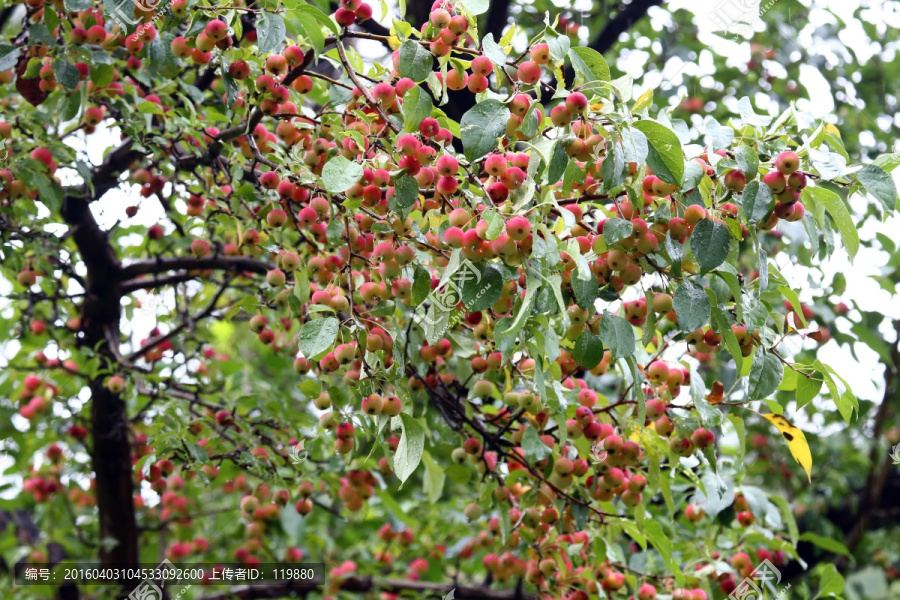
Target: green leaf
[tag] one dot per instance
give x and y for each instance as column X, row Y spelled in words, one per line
column 49, row 192
column 831, row 583
column 616, row 229
column 415, row 61
column 559, row 44
column 317, row 336
column 481, row 294
column 588, row 350
column 758, row 202
column 825, row 543
column 614, row 171
column 738, row 424
column 410, row 449
column 534, row 448
column 319, row 16
column 66, row 74
column 731, row 343
column 340, row 174
column 406, row 192
column 617, row 334
column 482, row 126
column 747, row 160
column 787, row 515
column 808, row 388
column 533, row 283
column 421, row 286
column 881, row 185
column 765, row 375
column 162, row 61
column 493, row 51
column 710, row 243
column 661, row 541
column 843, row 220
column 312, row 31
column 586, row 291
column 558, row 164
column 495, row 224
column 9, row 56
column 666, row 157
column 102, row 75
column 692, row 306
column 434, row 478
column 270, row 32
column 590, row 69
column 791, row 296
column 416, row 107
column 334, row 231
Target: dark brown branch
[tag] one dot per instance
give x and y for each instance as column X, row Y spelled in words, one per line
column 623, row 21
column 236, row 264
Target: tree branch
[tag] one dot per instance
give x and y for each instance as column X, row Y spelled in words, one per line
column 622, row 22
column 237, row 264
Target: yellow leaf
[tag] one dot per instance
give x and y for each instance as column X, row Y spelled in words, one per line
column 796, row 442
column 596, row 107
column 508, row 381
column 643, row 102
column 393, row 42
column 507, row 37
column 829, row 128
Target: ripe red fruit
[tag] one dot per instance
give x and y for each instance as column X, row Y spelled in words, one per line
column 518, row 228
column 276, row 218
column 787, row 162
column 482, row 66
column 238, row 69
column 216, row 30
column 344, row 17
column 776, row 181
column 735, row 180
column 529, row 72
column 200, row 248
column 540, row 54
column 576, row 103
column 447, row 165
column 703, row 438
column 429, row 127
column 269, row 180
column 658, row 371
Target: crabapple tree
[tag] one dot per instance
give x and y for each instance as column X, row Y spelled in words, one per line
column 268, row 301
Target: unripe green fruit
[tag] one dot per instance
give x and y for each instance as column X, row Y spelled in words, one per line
column 511, row 398
column 322, row 401
column 484, row 388
column 564, row 466
column 473, row 512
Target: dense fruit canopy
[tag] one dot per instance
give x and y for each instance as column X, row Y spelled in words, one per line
column 270, row 302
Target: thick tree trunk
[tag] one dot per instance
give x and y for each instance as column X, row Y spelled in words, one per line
column 111, row 457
